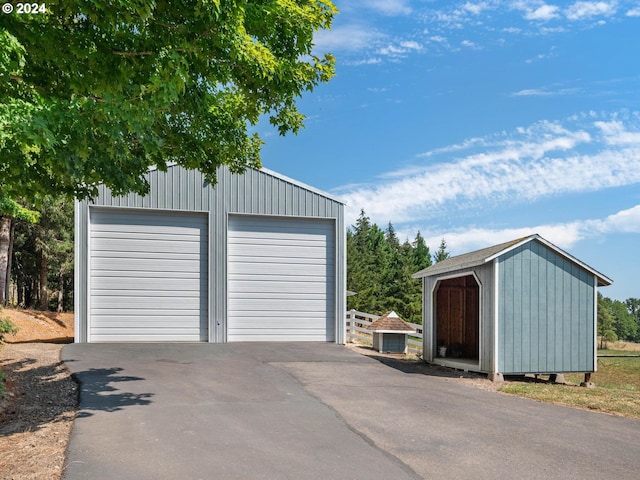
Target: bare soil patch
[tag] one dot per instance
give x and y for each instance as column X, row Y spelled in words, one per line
column 38, row 408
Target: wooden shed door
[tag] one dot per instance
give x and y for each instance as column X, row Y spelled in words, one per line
column 458, row 315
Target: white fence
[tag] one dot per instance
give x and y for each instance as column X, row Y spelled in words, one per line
column 357, row 323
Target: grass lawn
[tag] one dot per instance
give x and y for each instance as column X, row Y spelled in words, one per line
column 617, row 387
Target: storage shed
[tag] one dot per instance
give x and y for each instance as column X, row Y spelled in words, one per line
column 256, row 257
column 520, row 307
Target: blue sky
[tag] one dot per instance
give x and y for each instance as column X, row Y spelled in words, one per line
column 481, row 122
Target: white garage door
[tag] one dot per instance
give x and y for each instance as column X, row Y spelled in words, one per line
column 281, row 279
column 148, row 277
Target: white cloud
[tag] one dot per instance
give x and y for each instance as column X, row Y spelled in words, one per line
column 634, row 12
column 346, row 38
column 615, row 133
column 469, row 44
column 581, row 10
column 389, row 7
column 544, row 92
column 400, row 49
column 411, row 45
column 539, row 161
column 564, row 235
column 475, row 8
column 365, row 61
column 544, row 13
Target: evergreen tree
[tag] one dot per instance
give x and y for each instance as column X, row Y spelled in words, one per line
column 43, row 255
column 442, row 253
column 421, row 254
column 380, row 269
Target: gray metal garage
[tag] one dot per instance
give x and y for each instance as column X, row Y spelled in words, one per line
column 257, row 257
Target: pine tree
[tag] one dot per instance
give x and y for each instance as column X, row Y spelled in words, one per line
column 421, row 254
column 442, row 253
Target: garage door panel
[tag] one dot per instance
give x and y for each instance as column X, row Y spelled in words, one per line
column 148, row 255
column 176, row 304
column 284, row 335
column 148, row 277
column 241, row 287
column 115, row 312
column 167, row 292
column 308, row 240
column 283, row 251
column 159, row 246
column 144, row 265
column 99, row 236
column 147, row 286
column 280, row 273
column 277, row 269
column 137, row 321
column 248, row 258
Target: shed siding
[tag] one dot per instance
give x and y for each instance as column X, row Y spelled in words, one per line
column 545, row 312
column 254, row 192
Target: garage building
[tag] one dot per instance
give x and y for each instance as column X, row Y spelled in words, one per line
column 256, row 257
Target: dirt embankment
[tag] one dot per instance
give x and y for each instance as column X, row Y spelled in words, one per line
column 37, row 410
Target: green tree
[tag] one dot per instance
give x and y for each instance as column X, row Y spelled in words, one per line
column 421, row 254
column 10, row 211
column 633, row 306
column 43, row 256
column 380, row 269
column 625, row 323
column 606, row 321
column 442, row 253
column 97, row 92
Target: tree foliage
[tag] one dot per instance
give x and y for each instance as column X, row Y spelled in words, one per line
column 43, row 258
column 97, row 92
column 442, row 253
column 619, row 320
column 379, row 269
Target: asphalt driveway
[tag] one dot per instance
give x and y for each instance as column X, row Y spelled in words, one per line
column 317, row 411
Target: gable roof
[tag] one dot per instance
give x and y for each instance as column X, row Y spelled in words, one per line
column 485, row 255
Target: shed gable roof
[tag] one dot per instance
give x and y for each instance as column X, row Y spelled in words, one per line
column 485, row 255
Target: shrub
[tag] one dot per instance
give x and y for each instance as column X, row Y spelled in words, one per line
column 6, row 326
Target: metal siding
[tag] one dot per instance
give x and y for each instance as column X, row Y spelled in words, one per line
column 544, row 305
column 80, row 271
column 177, row 189
column 148, row 277
column 281, row 279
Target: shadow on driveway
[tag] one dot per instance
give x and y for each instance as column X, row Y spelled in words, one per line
column 98, row 391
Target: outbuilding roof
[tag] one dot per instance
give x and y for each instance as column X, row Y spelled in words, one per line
column 479, row 257
column 390, row 322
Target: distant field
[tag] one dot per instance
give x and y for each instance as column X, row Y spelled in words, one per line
column 617, row 388
column 626, row 347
